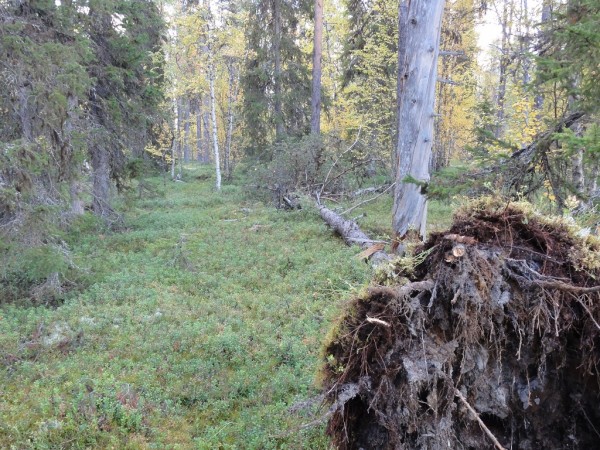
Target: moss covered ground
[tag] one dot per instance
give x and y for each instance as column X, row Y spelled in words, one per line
column 199, row 326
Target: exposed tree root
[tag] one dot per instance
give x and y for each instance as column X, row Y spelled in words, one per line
column 498, row 323
column 478, row 419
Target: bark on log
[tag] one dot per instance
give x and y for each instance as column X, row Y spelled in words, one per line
column 351, row 233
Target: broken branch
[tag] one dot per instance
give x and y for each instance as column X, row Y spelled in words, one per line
column 369, row 200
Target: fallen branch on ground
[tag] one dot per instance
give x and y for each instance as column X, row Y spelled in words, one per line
column 351, row 233
column 370, row 190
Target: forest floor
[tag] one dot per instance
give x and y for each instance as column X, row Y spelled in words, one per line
column 200, row 326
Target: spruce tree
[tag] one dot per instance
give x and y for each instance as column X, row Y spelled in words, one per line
column 276, row 79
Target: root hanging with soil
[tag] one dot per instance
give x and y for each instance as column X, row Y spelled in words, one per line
column 493, row 341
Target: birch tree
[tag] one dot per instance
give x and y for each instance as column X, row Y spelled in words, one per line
column 213, row 112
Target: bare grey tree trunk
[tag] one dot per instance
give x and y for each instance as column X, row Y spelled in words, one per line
column 541, row 37
column 77, row 205
column 506, row 22
column 173, row 158
column 206, row 124
column 577, row 166
column 592, row 183
column 179, row 119
column 101, row 180
column 198, row 117
column 180, row 135
column 203, row 113
column 25, row 114
column 232, row 94
column 175, row 142
column 525, row 43
column 315, row 118
column 279, row 125
column 75, row 188
column 419, row 39
column 353, row 235
column 577, row 171
column 402, row 34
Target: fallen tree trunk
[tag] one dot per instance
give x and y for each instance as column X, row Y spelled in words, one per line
column 352, row 234
column 370, row 190
column 534, row 157
column 493, row 342
column 519, row 172
column 524, row 156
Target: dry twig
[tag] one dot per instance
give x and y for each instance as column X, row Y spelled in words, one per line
column 369, row 199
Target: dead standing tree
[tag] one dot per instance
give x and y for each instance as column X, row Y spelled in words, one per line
column 420, row 23
column 418, row 50
column 315, row 119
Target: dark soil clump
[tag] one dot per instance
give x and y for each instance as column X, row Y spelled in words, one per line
column 501, row 315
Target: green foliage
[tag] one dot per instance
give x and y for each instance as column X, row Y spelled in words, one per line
column 589, row 140
column 38, row 262
column 460, row 179
column 573, row 56
column 25, row 269
column 310, row 164
column 72, row 78
column 64, row 66
column 295, row 164
column 260, row 80
column 370, row 61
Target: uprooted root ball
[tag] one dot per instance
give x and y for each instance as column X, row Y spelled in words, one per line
column 495, row 336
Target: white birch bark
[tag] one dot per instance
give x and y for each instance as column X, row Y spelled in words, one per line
column 173, row 146
column 211, row 81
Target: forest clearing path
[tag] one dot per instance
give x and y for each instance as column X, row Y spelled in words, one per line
column 201, row 326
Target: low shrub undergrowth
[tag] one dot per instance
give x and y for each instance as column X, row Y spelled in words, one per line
column 197, row 325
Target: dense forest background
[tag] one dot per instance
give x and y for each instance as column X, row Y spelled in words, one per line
column 97, row 94
column 104, row 103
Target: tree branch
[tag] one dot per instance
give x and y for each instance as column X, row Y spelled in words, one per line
column 369, row 199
